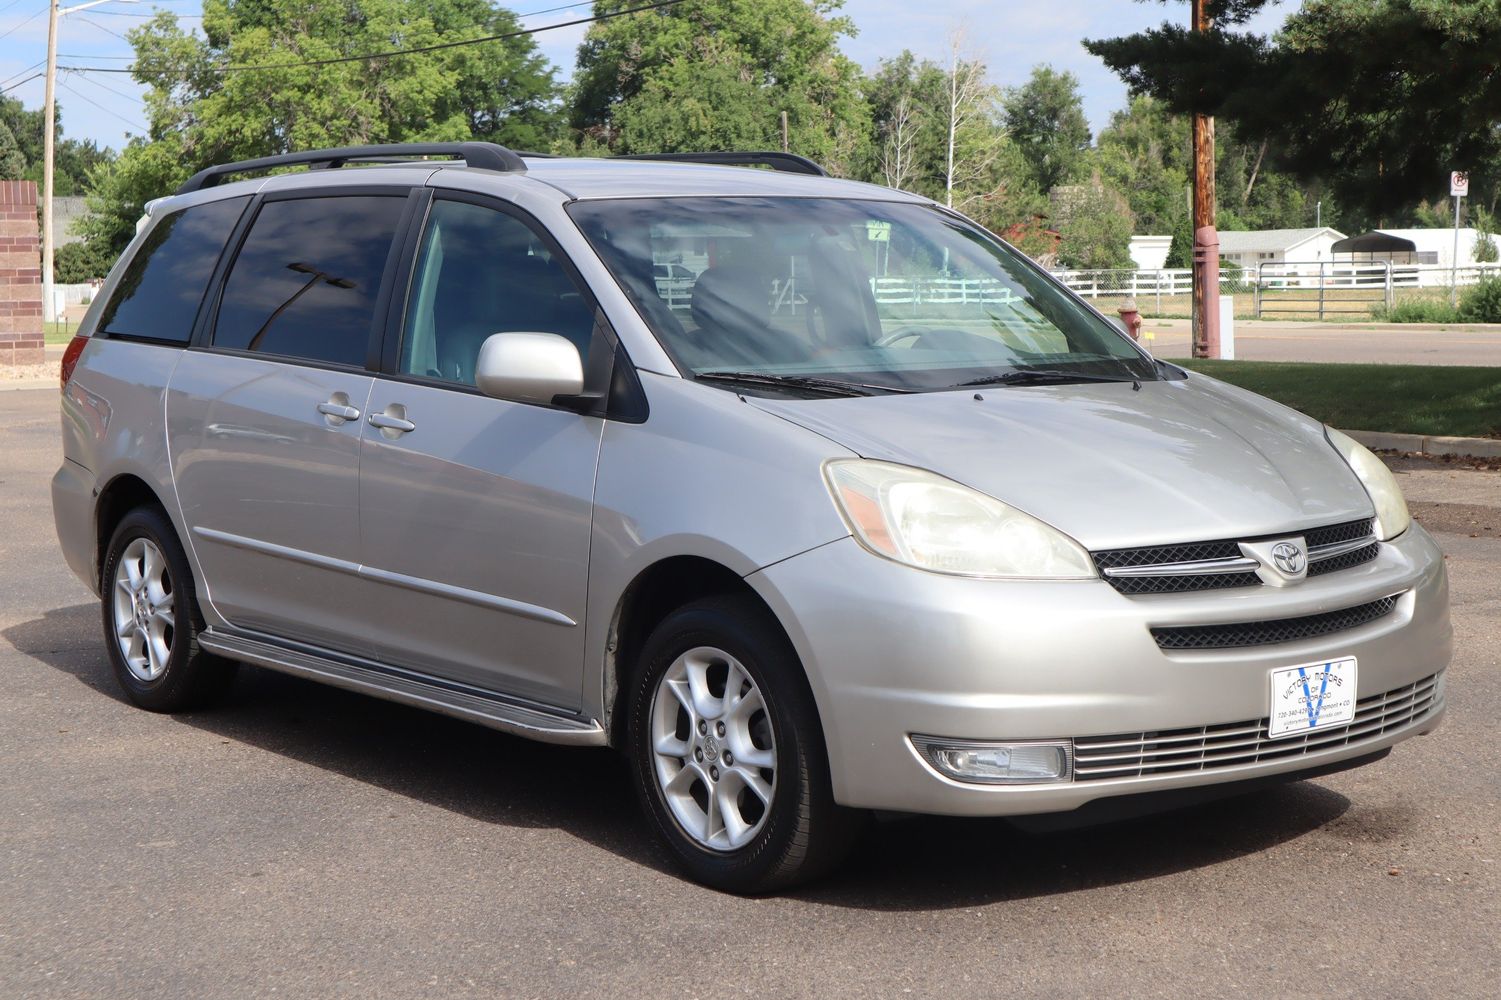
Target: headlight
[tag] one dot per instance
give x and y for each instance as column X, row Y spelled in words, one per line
column 924, row 520
column 1391, row 509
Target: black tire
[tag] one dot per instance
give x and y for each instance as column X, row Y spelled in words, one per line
column 192, row 677
column 804, row 833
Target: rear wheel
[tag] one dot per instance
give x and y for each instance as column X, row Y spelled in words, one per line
column 728, row 752
column 151, row 619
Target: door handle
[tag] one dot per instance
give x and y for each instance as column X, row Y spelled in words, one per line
column 340, row 410
column 392, row 421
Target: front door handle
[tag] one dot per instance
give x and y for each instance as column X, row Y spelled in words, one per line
column 338, row 410
column 392, row 421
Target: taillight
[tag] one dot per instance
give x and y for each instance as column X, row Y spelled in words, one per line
column 70, row 358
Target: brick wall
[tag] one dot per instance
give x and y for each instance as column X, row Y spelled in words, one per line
column 20, row 276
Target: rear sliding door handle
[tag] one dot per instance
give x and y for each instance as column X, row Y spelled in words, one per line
column 392, row 421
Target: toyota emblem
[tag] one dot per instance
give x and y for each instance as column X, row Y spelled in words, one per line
column 1289, row 558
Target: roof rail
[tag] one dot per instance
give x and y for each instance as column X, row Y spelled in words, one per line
column 787, row 162
column 481, row 155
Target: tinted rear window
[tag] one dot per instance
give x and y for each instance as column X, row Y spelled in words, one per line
column 305, row 281
column 159, row 294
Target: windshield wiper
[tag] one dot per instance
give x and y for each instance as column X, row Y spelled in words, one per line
column 828, row 385
column 1041, row 376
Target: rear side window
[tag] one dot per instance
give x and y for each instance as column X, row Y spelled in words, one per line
column 159, row 293
column 306, row 279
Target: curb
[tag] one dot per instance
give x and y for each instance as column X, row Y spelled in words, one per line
column 1426, row 445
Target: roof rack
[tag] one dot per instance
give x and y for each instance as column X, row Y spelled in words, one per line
column 786, row 162
column 480, row 155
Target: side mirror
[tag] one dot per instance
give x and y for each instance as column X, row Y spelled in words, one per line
column 529, row 367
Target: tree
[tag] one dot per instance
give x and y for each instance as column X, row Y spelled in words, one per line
column 72, row 160
column 202, row 114
column 12, row 163
column 1380, row 98
column 1094, row 226
column 1045, row 118
column 1144, row 152
column 706, row 74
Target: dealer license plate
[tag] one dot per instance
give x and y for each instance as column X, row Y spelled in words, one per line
column 1312, row 696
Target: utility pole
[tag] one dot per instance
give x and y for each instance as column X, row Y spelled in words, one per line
column 49, row 112
column 49, row 139
column 1206, row 275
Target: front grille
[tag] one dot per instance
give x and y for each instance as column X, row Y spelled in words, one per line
column 1335, row 533
column 1193, row 552
column 1154, row 555
column 1182, row 584
column 1344, row 561
column 1265, row 633
column 1208, row 748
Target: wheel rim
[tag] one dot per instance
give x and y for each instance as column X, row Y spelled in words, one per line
column 144, row 607
column 713, row 749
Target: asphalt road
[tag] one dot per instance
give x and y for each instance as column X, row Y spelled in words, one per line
column 1391, row 343
column 305, row 842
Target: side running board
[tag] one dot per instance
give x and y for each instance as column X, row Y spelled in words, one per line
column 367, row 677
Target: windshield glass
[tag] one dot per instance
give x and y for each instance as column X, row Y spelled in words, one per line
column 875, row 293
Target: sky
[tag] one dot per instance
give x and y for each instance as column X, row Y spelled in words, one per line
column 1010, row 35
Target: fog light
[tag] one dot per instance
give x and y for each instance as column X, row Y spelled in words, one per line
column 996, row 763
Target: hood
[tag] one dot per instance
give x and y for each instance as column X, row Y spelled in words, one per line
column 1180, row 461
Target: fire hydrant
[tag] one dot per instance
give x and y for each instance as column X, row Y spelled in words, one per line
column 1131, row 318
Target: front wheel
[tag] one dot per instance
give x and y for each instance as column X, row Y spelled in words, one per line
column 728, row 752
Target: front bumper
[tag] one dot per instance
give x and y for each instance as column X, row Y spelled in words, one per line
column 892, row 651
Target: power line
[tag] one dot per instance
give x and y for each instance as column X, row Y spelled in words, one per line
column 86, row 98
column 18, row 27
column 107, row 31
column 36, row 65
column 118, row 93
column 439, row 46
column 34, row 76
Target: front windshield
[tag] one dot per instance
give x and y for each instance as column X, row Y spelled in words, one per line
column 872, row 293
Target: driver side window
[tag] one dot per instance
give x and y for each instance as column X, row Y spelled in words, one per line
column 482, row 272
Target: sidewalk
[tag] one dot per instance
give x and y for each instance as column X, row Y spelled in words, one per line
column 1379, row 343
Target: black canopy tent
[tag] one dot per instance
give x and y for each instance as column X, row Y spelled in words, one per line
column 1377, row 245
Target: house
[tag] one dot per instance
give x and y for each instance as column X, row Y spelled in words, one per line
column 1249, row 249
column 1149, row 253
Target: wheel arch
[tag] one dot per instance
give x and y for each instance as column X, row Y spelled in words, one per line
column 121, row 495
column 651, row 596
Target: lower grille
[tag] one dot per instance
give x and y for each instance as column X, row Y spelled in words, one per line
column 1237, row 634
column 1208, row 748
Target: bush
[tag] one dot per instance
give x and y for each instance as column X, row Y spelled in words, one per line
column 75, row 263
column 1416, row 311
column 1482, row 302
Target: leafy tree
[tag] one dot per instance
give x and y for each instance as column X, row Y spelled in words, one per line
column 201, row 114
column 1144, row 152
column 706, row 74
column 71, row 159
column 1045, row 118
column 1380, row 98
column 1094, row 224
column 12, row 162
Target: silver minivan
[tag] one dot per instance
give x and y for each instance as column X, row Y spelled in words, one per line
column 851, row 508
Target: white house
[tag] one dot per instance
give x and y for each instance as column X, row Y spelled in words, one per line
column 1149, row 253
column 1248, row 249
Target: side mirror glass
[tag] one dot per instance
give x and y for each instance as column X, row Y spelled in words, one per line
column 529, row 367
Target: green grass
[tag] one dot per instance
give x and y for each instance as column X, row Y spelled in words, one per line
column 59, row 331
column 1410, row 399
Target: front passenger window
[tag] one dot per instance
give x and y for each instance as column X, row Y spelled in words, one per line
column 482, row 272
